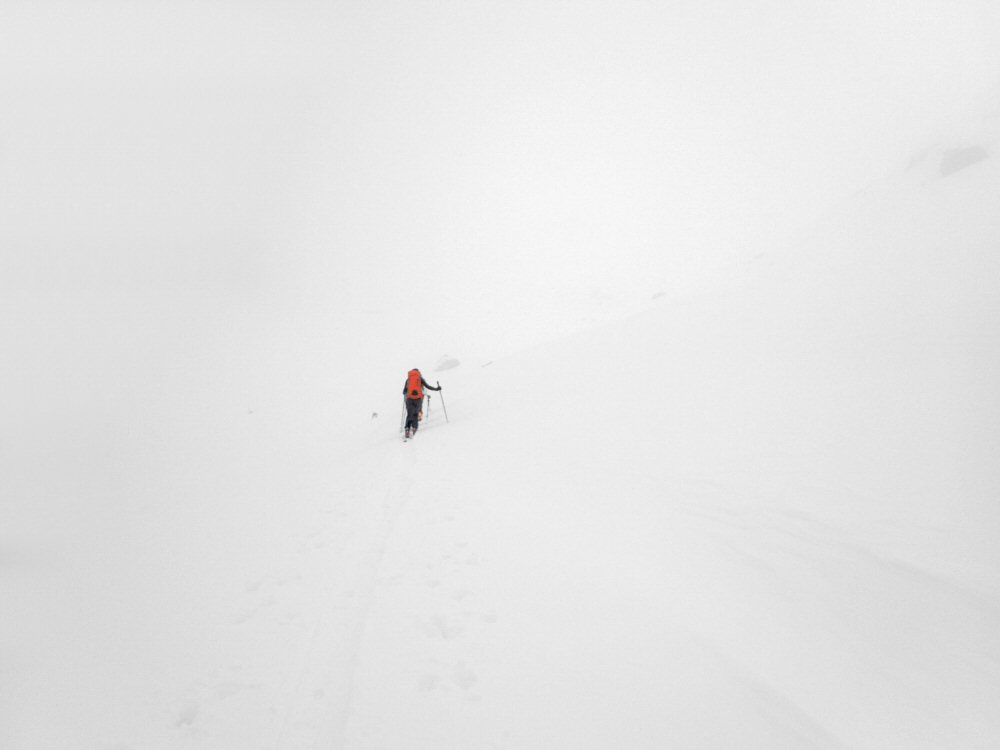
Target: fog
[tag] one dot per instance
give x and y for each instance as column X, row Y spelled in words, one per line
column 251, row 189
column 255, row 189
column 405, row 151
column 227, row 229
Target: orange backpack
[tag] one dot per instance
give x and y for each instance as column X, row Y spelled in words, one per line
column 414, row 385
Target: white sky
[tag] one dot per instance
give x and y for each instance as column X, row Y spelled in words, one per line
column 504, row 151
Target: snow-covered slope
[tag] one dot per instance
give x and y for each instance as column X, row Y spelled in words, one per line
column 765, row 517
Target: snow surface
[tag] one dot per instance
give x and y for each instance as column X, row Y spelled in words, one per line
column 765, row 517
column 746, row 495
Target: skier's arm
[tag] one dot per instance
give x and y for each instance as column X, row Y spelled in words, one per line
column 429, row 386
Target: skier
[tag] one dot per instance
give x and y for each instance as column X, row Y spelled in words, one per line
column 413, row 389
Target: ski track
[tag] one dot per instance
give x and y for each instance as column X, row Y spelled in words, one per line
column 319, row 709
column 428, row 610
column 317, row 595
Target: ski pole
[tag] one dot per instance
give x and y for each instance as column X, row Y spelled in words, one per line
column 428, row 414
column 441, row 396
column 402, row 417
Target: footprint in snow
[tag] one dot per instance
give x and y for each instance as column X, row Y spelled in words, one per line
column 428, row 682
column 439, row 627
column 251, row 612
column 187, row 716
column 464, row 677
column 229, row 689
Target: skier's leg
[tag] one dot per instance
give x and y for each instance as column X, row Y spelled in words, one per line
column 412, row 408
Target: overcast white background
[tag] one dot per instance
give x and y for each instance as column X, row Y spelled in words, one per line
column 187, row 180
column 214, row 210
column 347, row 150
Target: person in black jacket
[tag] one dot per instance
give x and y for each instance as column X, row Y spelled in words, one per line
column 413, row 390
